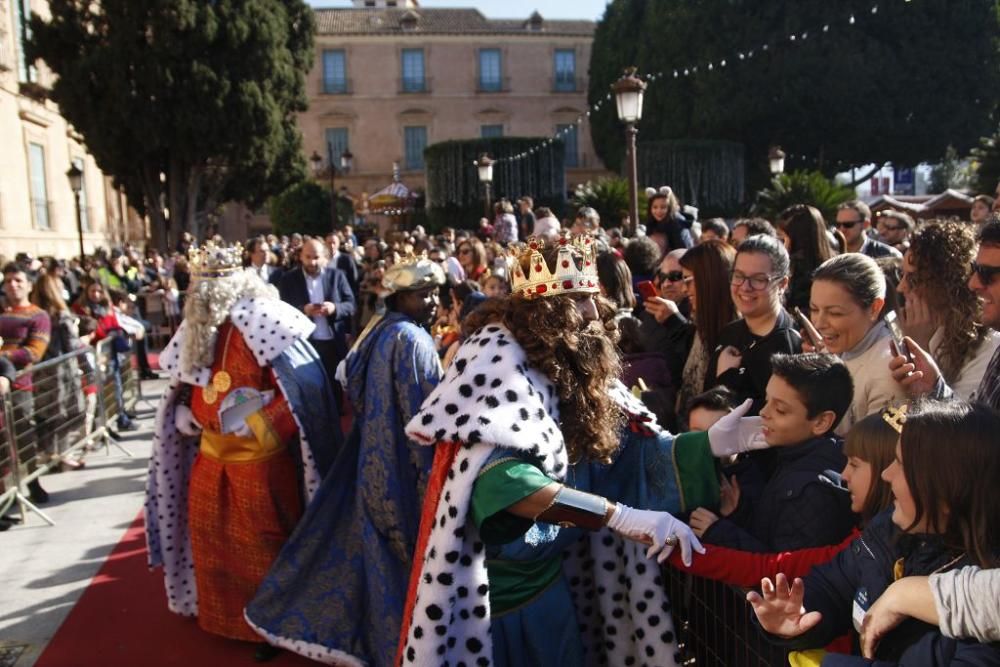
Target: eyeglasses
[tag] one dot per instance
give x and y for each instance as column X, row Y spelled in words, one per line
column 464, row 251
column 846, row 225
column 757, row 282
column 986, row 273
column 670, row 276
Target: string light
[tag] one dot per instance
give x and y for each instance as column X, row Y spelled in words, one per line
column 686, row 72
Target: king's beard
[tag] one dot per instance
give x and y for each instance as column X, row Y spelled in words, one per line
column 207, row 308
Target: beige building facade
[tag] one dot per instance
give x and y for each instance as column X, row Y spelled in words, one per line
column 392, row 78
column 37, row 148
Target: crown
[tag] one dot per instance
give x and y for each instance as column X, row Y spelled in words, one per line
column 895, row 417
column 215, row 261
column 569, row 276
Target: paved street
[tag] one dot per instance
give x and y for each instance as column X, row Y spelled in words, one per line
column 45, row 569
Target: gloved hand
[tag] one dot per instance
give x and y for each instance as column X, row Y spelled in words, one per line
column 244, row 431
column 661, row 528
column 735, row 434
column 185, row 422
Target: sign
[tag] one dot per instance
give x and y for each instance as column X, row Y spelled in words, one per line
column 905, row 181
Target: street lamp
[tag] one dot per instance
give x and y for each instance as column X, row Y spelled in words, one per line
column 75, row 176
column 628, row 92
column 485, row 167
column 346, row 162
column 776, row 160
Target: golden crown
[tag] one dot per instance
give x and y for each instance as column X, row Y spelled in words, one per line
column 215, row 261
column 895, row 417
column 575, row 271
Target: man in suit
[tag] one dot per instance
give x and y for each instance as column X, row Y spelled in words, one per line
column 322, row 293
column 257, row 252
column 343, row 261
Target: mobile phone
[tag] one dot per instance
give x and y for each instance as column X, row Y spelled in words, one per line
column 647, row 289
column 807, row 327
column 897, row 335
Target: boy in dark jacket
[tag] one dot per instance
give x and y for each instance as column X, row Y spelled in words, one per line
column 799, row 506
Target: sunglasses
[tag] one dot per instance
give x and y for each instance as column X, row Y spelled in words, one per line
column 986, row 273
column 670, row 276
column 846, row 225
column 892, row 228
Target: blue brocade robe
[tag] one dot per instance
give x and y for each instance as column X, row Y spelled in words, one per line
column 337, row 590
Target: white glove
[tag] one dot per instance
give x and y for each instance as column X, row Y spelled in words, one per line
column 244, row 431
column 661, row 528
column 735, row 434
column 185, row 422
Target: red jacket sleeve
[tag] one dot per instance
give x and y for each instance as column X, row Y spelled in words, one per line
column 743, row 568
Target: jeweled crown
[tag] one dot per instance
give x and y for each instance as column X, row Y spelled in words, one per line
column 575, row 270
column 215, row 261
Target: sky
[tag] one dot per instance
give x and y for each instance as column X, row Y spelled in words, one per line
column 505, row 9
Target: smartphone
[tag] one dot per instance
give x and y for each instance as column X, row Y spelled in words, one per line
column 897, row 335
column 647, row 289
column 807, row 328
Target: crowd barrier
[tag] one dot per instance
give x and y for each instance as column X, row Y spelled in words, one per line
column 67, row 404
column 714, row 624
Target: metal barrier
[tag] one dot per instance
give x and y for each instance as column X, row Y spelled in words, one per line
column 51, row 419
column 714, row 624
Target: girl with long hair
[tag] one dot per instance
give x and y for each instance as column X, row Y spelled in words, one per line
column 808, row 245
column 944, row 516
column 664, row 222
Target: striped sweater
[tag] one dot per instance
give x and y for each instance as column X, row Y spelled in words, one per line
column 25, row 331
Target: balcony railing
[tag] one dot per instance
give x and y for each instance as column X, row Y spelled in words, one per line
column 501, row 85
column 341, row 87
column 566, row 84
column 414, row 85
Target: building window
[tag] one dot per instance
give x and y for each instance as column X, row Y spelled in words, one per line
column 565, row 69
column 570, row 141
column 334, row 71
column 490, row 131
column 26, row 72
column 39, row 190
column 414, row 143
column 490, row 70
column 84, row 211
column 336, row 144
column 413, row 71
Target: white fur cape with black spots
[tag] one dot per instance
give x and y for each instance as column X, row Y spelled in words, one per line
column 490, row 397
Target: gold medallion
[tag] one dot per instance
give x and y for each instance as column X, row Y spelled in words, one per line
column 222, row 381
column 209, row 394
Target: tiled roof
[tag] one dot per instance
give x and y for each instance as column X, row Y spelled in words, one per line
column 377, row 21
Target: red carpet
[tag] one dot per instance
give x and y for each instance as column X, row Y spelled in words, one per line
column 122, row 620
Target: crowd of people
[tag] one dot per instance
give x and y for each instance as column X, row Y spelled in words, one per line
column 803, row 406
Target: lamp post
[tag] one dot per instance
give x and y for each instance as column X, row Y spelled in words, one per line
column 485, row 167
column 628, row 92
column 75, row 176
column 346, row 162
column 776, row 160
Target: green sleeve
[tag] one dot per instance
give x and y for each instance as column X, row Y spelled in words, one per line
column 500, row 485
column 696, row 472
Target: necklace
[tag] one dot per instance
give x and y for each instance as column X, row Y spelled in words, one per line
column 221, row 381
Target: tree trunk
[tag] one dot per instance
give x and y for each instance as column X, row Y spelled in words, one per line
column 868, row 174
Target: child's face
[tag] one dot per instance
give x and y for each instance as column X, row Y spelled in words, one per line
column 494, row 287
column 700, row 419
column 783, row 416
column 857, row 474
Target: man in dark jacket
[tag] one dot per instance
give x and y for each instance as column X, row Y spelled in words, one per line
column 322, row 293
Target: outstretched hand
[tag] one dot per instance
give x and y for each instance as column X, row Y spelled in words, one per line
column 779, row 607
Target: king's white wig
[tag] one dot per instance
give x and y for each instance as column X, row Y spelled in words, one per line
column 207, row 307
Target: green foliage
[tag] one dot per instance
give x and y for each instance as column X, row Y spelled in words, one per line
column 986, row 160
column 897, row 86
column 609, row 197
column 801, row 187
column 706, row 174
column 951, row 172
column 302, row 208
column 455, row 195
column 203, row 92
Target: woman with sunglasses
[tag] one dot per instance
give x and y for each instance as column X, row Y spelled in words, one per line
column 944, row 516
column 471, row 254
column 942, row 314
column 742, row 358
